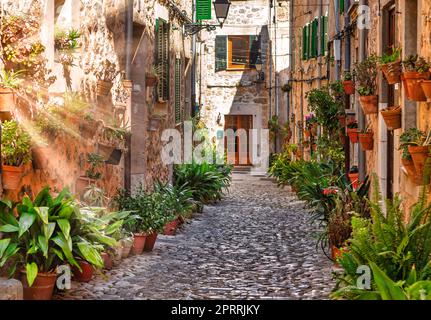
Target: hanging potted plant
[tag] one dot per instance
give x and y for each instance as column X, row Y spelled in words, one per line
column 392, row 117
column 416, row 69
column 390, row 64
column 16, row 152
column 105, row 77
column 352, row 131
column 348, row 83
column 342, row 119
column 366, row 75
column 310, row 125
column 354, row 176
column 152, row 77
column 89, row 127
column 418, row 144
column 406, row 158
column 366, row 139
column 9, row 82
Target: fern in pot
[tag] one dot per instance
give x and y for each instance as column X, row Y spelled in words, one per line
column 16, row 152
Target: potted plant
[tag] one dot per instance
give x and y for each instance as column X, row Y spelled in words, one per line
column 89, row 127
column 310, row 125
column 342, row 119
column 416, row 69
column 366, row 139
column 287, row 87
column 348, row 83
column 16, row 152
column 105, row 77
column 354, row 176
column 366, row 75
column 152, row 77
column 352, row 131
column 406, row 158
column 390, row 64
column 9, row 82
column 392, row 117
column 111, row 143
column 418, row 144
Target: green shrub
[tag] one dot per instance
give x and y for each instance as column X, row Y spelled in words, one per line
column 15, row 144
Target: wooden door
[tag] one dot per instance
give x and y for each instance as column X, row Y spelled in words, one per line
column 241, row 143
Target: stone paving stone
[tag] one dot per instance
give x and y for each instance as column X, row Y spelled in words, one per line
column 255, row 244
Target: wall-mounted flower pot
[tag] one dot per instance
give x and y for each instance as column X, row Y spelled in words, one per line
column 352, row 133
column 354, row 179
column 7, row 100
column 150, row 80
column 11, row 177
column 86, row 274
column 419, row 156
column 392, row 72
column 170, row 228
column 40, row 157
column 139, row 240
column 392, row 118
column 426, row 87
column 115, row 157
column 104, row 87
column 107, row 261
column 42, row 288
column 105, row 150
column 150, row 242
column 409, row 166
column 349, row 87
column 366, row 140
column 369, row 104
column 412, row 87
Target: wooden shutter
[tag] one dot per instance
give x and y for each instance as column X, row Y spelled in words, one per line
column 308, row 39
column 162, row 59
column 178, row 117
column 203, row 9
column 341, row 6
column 323, row 34
column 220, row 53
column 254, row 50
column 304, row 43
column 313, row 41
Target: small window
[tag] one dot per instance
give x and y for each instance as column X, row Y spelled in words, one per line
column 238, row 52
column 162, row 59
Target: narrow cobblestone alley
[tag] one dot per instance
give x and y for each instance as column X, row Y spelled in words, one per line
column 256, row 243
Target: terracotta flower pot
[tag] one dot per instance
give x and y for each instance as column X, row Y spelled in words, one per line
column 369, row 104
column 342, row 120
column 409, row 166
column 307, row 133
column 349, row 87
column 150, row 242
column 127, row 248
column 314, row 129
column 353, row 135
column 104, row 87
column 117, row 254
column 412, row 87
column 419, row 156
column 171, row 228
column 107, row 261
column 354, row 179
column 11, row 177
column 86, row 274
column 40, row 157
column 392, row 118
column 42, row 288
column 366, row 140
column 150, row 80
column 426, row 87
column 105, row 150
column 392, row 72
column 139, row 240
column 7, row 100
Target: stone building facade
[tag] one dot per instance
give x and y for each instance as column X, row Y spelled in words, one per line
column 134, row 104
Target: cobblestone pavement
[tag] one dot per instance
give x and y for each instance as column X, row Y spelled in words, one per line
column 255, row 244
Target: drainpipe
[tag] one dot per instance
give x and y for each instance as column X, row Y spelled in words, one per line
column 337, row 32
column 361, row 116
column 193, row 66
column 129, row 44
column 347, row 63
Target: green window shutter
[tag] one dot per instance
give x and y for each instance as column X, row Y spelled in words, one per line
column 162, row 59
column 341, row 6
column 314, row 38
column 309, row 41
column 178, row 117
column 323, row 35
column 220, row 53
column 203, row 9
column 304, row 43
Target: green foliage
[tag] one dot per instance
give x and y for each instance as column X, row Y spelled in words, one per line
column 67, row 39
column 400, row 246
column 414, row 137
column 15, row 144
column 48, row 121
column 390, row 57
column 95, row 161
column 324, row 107
column 416, row 64
column 366, row 74
column 10, row 79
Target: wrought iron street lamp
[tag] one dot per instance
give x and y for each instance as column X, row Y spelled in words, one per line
column 221, row 8
column 258, row 65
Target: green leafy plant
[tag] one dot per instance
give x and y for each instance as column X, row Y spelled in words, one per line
column 10, row 79
column 67, row 39
column 415, row 137
column 352, row 125
column 366, row 75
column 95, row 161
column 15, row 144
column 348, row 76
column 324, row 107
column 416, row 64
column 394, row 56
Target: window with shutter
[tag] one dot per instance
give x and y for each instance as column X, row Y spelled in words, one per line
column 220, row 53
column 304, row 43
column 178, row 113
column 203, row 9
column 323, row 35
column 162, row 59
column 308, row 40
column 314, row 38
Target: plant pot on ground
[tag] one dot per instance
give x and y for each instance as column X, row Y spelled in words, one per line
column 127, row 245
column 139, row 240
column 390, row 64
column 170, row 228
column 150, row 242
column 107, row 261
column 416, row 69
column 85, row 274
column 392, row 117
column 16, row 152
column 42, row 287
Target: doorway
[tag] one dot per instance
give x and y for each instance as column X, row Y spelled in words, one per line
column 237, row 122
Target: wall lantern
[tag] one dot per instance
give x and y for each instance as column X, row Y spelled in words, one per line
column 221, row 8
